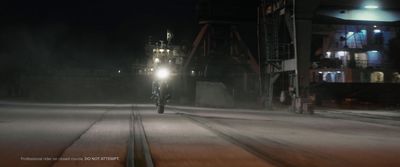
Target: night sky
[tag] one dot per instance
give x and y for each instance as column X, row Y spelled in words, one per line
column 88, row 34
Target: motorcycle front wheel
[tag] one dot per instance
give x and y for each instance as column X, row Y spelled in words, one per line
column 160, row 109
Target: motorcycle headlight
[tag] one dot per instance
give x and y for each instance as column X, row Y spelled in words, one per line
column 162, row 73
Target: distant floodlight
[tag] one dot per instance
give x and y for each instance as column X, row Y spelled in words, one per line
column 374, row 51
column 375, row 26
column 339, row 72
column 119, row 71
column 377, row 31
column 371, row 7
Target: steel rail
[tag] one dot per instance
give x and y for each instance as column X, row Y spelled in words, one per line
column 139, row 154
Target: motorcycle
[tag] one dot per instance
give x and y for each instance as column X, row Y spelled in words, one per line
column 161, row 88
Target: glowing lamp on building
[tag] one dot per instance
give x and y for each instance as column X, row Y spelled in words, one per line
column 350, row 34
column 371, row 6
column 328, row 54
column 376, row 31
column 341, row 54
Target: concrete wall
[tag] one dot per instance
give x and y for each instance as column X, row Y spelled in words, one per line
column 213, row 94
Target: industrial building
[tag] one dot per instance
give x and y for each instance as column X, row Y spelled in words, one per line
column 302, row 53
column 329, row 50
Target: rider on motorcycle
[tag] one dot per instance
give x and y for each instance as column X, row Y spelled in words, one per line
column 161, row 77
column 155, row 90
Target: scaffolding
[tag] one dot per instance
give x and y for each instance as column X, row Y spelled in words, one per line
column 276, row 21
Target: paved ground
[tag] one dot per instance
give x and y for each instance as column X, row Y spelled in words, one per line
column 99, row 135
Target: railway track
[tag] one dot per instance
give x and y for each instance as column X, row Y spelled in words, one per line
column 232, row 138
column 368, row 118
column 275, row 153
column 139, row 154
